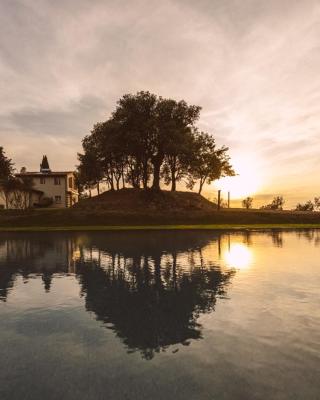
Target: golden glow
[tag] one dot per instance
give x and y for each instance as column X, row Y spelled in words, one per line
column 238, row 256
column 245, row 183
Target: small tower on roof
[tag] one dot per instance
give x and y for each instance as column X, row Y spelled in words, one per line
column 44, row 166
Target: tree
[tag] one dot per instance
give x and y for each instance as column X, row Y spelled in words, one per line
column 276, row 204
column 174, row 120
column 6, row 175
column 317, row 203
column 177, row 159
column 44, row 166
column 135, row 117
column 26, row 187
column 90, row 168
column 6, row 166
column 247, row 202
column 307, row 206
column 12, row 193
column 149, row 138
column 208, row 163
column 151, row 127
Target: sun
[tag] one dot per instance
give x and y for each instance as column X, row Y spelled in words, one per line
column 247, row 181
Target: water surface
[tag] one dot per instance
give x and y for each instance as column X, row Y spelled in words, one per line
column 160, row 315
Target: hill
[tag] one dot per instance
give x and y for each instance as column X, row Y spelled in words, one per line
column 138, row 200
column 138, row 208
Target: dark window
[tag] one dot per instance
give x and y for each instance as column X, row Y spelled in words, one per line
column 70, row 182
column 57, row 180
column 57, row 199
column 42, row 181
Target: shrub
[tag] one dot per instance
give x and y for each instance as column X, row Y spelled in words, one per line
column 45, row 202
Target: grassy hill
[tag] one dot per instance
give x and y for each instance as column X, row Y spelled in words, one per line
column 141, row 201
column 133, row 207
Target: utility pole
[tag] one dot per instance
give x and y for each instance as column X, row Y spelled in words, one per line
column 228, row 199
column 219, row 199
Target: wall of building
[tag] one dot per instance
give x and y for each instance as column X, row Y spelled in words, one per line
column 73, row 195
column 60, row 188
column 52, row 190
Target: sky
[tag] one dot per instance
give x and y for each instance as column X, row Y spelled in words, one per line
column 252, row 65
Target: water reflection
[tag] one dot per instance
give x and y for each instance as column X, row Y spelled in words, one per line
column 26, row 257
column 238, row 256
column 148, row 288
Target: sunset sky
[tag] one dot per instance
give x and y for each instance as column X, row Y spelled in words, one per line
column 253, row 66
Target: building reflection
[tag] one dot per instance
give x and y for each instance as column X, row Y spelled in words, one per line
column 35, row 254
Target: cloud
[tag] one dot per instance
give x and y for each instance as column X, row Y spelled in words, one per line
column 252, row 66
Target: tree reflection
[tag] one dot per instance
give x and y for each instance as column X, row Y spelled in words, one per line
column 149, row 288
column 311, row 235
column 148, row 295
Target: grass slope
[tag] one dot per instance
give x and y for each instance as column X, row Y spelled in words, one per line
column 137, row 209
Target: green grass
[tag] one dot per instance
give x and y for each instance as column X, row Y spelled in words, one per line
column 158, row 227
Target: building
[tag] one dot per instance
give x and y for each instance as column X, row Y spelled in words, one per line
column 50, row 188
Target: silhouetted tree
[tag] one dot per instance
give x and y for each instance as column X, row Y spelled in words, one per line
column 247, row 202
column 307, row 206
column 277, row 204
column 6, row 175
column 177, row 160
column 10, row 190
column 90, row 169
column 6, row 166
column 208, row 163
column 150, row 136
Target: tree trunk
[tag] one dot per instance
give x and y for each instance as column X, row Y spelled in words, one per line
column 111, row 182
column 173, row 173
column 98, row 188
column 200, row 186
column 173, row 182
column 145, row 182
column 145, row 175
column 156, row 173
column 123, row 182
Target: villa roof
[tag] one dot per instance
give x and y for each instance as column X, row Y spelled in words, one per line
column 60, row 173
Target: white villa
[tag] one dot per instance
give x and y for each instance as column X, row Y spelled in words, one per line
column 58, row 188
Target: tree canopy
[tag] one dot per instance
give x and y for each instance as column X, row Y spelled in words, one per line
column 6, row 166
column 148, row 140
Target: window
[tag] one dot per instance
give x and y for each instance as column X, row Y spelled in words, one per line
column 70, row 182
column 57, row 199
column 57, row 180
column 42, row 181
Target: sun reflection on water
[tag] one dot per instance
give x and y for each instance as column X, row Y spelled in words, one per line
column 238, row 256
